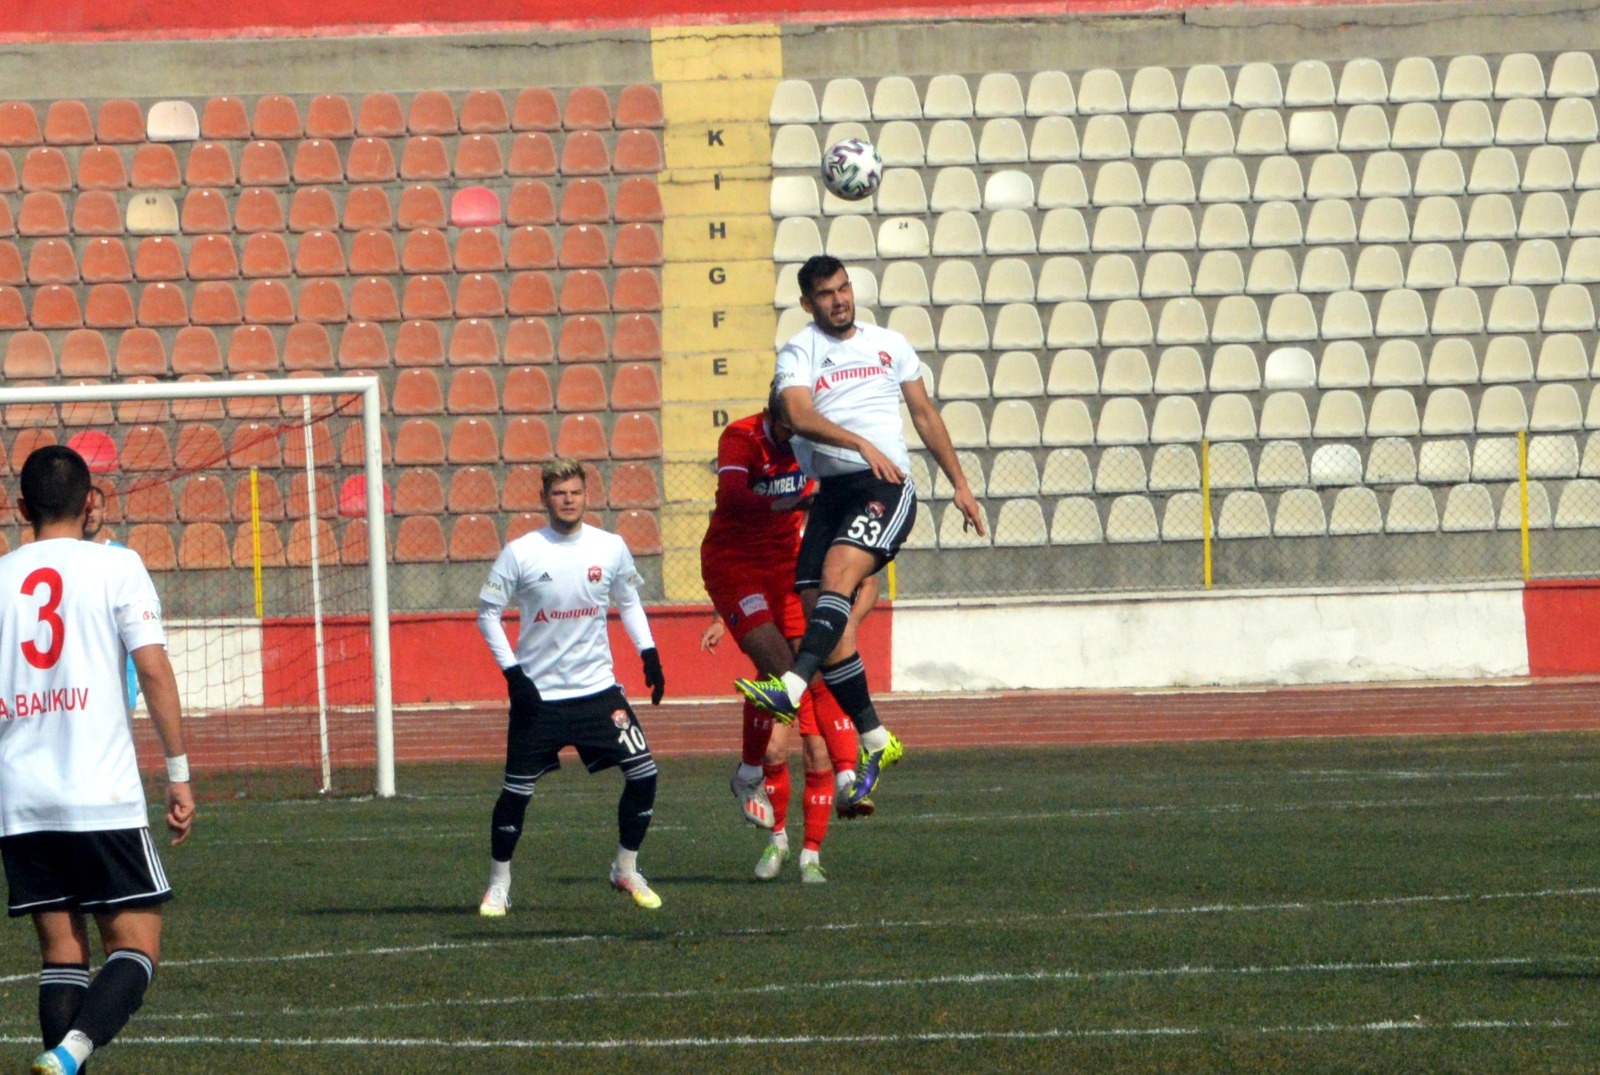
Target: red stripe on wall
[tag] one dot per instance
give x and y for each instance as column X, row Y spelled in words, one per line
column 1563, row 624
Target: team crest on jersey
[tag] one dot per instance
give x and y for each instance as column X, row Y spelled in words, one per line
column 619, row 717
column 875, row 509
column 884, row 359
column 594, row 574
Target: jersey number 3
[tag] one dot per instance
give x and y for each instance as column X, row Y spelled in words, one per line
column 48, row 615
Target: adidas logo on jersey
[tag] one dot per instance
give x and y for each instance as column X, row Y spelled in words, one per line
column 826, row 362
column 544, row 578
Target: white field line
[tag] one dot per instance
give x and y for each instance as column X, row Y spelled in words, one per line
column 1009, row 920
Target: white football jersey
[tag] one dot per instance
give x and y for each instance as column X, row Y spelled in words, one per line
column 70, row 613
column 855, row 384
column 563, row 586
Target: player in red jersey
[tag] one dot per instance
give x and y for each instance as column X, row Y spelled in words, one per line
column 747, row 561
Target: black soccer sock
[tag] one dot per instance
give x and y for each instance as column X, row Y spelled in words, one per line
column 636, row 806
column 62, row 987
column 114, row 995
column 823, row 630
column 505, row 826
column 848, row 682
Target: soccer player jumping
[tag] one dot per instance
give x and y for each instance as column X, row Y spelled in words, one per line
column 563, row 689
column 74, row 831
column 842, row 384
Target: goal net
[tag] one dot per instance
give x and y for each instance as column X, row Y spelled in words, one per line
column 248, row 503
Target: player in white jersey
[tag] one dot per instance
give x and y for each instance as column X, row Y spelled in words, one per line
column 74, row 832
column 563, row 688
column 842, row 384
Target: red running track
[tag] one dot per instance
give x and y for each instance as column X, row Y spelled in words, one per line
column 939, row 722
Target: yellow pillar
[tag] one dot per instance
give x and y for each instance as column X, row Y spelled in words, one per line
column 717, row 278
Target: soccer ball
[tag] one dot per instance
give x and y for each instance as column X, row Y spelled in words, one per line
column 852, row 169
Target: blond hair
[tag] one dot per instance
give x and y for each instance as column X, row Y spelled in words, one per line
column 559, row 470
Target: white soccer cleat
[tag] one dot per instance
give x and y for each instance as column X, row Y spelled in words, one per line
column 753, row 801
column 771, row 861
column 496, row 902
column 812, row 873
column 632, row 882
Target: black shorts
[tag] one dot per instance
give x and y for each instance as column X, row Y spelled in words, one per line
column 110, row 870
column 601, row 726
column 855, row 509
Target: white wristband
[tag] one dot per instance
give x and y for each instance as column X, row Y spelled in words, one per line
column 178, row 769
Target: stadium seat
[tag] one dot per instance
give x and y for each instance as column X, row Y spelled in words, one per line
column 419, row 492
column 475, row 207
column 473, row 441
column 419, row 443
column 420, row 539
column 472, row 391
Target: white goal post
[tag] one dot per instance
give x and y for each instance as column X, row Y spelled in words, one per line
column 368, row 391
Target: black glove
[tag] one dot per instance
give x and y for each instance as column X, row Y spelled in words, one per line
column 653, row 675
column 524, row 695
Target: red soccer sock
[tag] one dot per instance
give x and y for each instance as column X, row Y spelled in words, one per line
column 757, row 733
column 835, row 727
column 819, row 806
column 778, row 792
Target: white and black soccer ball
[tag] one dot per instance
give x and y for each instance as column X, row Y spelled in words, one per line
column 852, row 169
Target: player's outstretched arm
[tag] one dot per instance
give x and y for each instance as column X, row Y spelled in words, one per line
column 806, row 422
column 160, row 689
column 930, row 427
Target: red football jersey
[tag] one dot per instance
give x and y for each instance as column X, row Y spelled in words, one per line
column 752, row 472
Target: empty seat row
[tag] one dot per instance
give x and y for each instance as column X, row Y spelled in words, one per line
column 1155, row 89
column 527, row 390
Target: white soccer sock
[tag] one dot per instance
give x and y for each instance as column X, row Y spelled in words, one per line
column 499, row 874
column 795, row 685
column 627, row 861
column 876, row 739
column 808, row 855
column 843, row 781
column 749, row 772
column 780, row 838
column 78, row 1044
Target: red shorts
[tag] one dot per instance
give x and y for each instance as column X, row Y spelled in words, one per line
column 747, row 596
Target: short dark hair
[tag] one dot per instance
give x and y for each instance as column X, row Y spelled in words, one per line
column 817, row 269
column 55, row 484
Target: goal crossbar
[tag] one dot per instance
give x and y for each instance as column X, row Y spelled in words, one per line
column 367, row 388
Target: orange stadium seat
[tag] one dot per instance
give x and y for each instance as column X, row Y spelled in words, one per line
column 424, row 157
column 484, row 112
column 205, row 212
column 329, row 116
column 367, row 208
column 638, row 339
column 259, row 210
column 524, row 490
column 475, row 207
column 588, row 109
column 55, row 306
column 373, row 299
column 146, row 448
column 210, row 165
column 633, row 485
column 479, row 295
column 204, row 547
column 313, row 210
column 426, row 250
column 472, row 489
column 199, row 447
column 473, row 440
column 527, row 391
column 635, row 387
column 262, row 164
column 531, row 248
column 204, row 499
column 254, row 445
column 195, row 350
column 298, row 552
column 46, row 168
column 269, row 498
column 532, row 154
column 635, row 436
column 297, row 502
column 420, row 540
column 583, row 339
column 380, row 115
column 120, row 122
column 95, row 213
column 525, row 523
column 363, row 346
column 96, row 413
column 262, row 407
column 638, row 529
column 353, row 543
column 478, row 250
column 584, row 247
column 29, row 441
column 582, row 388
column 215, row 303
column 155, row 167
column 224, row 118
column 19, row 124
column 141, row 411
column 294, row 445
column 473, row 341
column 101, row 168
column 416, row 391
column 52, row 262
column 212, row 257
column 276, row 117
column 11, row 264
column 251, row 349
column 637, row 245
column 472, row 391
column 266, row 254
column 581, row 437
column 84, row 354
column 319, row 253
column 268, row 302
column 246, row 539
column 431, row 113
column 353, row 452
column 421, row 206
column 153, row 543
column 531, row 293
column 478, row 157
column 29, row 354
column 638, row 151
column 369, row 160
column 13, row 315
column 42, row 213
column 419, row 444
column 426, row 298
column 140, row 353
column 8, row 175
column 158, row 257
column 530, row 203
column 307, row 347
column 584, row 292
column 316, row 160
column 638, row 290
column 474, row 537
column 639, row 201
column 639, row 106
column 585, row 201
column 528, row 341
column 372, row 253
column 536, row 110
column 419, row 343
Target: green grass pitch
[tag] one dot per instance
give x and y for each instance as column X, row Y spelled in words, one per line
column 1414, row 905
